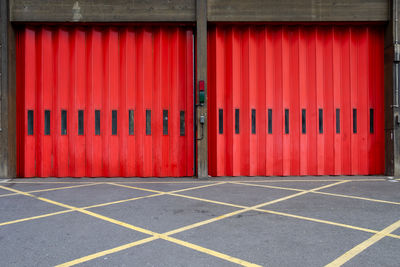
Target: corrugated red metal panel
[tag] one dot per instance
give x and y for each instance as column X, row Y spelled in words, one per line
column 141, row 70
column 308, row 100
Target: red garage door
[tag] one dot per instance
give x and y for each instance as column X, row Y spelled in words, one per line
column 105, row 101
column 296, row 100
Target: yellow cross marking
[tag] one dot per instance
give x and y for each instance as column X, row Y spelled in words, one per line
column 364, row 245
column 166, row 236
column 52, row 189
column 135, row 228
column 319, row 192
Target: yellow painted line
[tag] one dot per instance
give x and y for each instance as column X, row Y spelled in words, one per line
column 198, row 224
column 226, row 181
column 167, row 234
column 137, row 188
column 35, row 217
column 103, row 253
column 222, row 180
column 30, row 195
column 266, row 211
column 126, row 200
column 157, row 191
column 364, row 245
column 394, row 236
column 126, row 225
column 294, row 189
column 360, row 198
column 44, row 182
column 120, row 201
column 174, row 240
column 207, row 221
column 324, row 222
column 97, row 205
column 269, row 186
column 245, row 209
column 198, row 187
column 117, row 222
column 139, row 229
column 149, row 239
column 322, row 193
column 382, row 233
column 51, row 189
column 306, row 180
column 209, row 251
column 207, row 181
column 99, row 216
column 209, row 201
column 257, row 181
column 124, row 182
column 70, row 210
column 298, row 194
column 327, row 186
column 239, row 206
column 195, row 181
column 173, row 193
column 289, row 180
column 106, row 252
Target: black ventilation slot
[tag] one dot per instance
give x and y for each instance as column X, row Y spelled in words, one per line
column 80, row 122
column 253, row 121
column 337, row 121
column 237, row 121
column 165, row 122
column 97, row 122
column 47, row 122
column 286, row 121
column 182, row 123
column 269, row 121
column 148, row 122
column 321, row 120
column 30, row 122
column 221, row 121
column 371, row 120
column 131, row 122
column 354, row 120
column 114, row 122
column 63, row 122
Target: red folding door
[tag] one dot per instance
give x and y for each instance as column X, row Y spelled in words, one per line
column 295, row 100
column 104, row 101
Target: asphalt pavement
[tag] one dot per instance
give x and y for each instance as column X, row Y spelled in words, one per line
column 227, row 221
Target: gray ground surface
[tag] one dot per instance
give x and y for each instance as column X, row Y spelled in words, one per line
column 210, row 221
